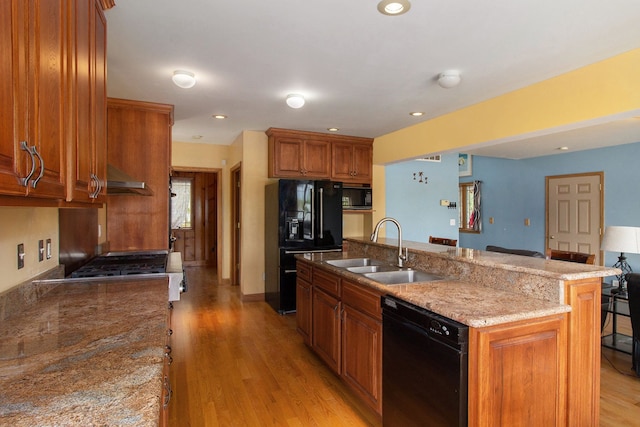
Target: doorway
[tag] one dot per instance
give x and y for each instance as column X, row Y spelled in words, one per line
column 575, row 206
column 194, row 216
column 236, row 211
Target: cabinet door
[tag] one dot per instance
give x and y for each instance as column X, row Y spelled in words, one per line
column 303, row 309
column 317, row 158
column 342, row 168
column 326, row 328
column 287, row 157
column 47, row 45
column 362, row 356
column 502, row 357
column 14, row 162
column 362, row 163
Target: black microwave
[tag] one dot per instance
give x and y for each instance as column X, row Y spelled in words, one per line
column 356, row 198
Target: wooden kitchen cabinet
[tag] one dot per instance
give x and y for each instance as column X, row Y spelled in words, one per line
column 345, row 330
column 517, row 373
column 303, row 301
column 139, row 143
column 352, row 162
column 33, row 45
column 362, row 343
column 325, row 340
column 87, row 150
column 296, row 155
column 313, row 155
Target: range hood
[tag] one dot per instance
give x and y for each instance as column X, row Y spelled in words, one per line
column 120, row 183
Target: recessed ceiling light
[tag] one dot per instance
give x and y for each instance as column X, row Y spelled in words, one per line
column 219, row 116
column 416, row 113
column 394, row 7
column 184, row 79
column 333, row 129
column 295, row 100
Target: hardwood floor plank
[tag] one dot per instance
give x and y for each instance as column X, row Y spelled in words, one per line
column 241, row 364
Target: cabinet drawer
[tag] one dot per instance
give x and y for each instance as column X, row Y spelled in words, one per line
column 303, row 270
column 361, row 298
column 328, row 282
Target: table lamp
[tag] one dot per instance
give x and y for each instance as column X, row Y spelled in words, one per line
column 621, row 239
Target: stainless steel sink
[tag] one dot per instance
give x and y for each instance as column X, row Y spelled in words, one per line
column 372, row 268
column 402, row 276
column 354, row 262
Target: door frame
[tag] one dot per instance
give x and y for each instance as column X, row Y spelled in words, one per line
column 236, row 223
column 219, row 234
column 600, row 175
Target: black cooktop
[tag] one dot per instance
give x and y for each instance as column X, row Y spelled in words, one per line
column 123, row 264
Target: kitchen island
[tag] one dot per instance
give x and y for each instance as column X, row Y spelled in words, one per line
column 86, row 353
column 534, row 325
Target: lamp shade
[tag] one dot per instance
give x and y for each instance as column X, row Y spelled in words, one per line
column 621, row 239
column 295, row 100
column 184, row 79
column 449, row 79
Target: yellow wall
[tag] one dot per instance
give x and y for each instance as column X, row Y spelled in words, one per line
column 26, row 225
column 606, row 89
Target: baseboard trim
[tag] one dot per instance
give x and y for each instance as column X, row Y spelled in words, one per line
column 252, row 297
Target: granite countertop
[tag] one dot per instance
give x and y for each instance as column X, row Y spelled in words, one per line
column 468, row 303
column 86, row 354
column 560, row 270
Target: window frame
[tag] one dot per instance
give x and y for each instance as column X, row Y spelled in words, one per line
column 464, row 214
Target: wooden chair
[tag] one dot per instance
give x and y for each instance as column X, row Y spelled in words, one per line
column 442, row 241
column 571, row 256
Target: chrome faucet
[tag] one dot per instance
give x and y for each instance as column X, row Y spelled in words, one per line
column 374, row 238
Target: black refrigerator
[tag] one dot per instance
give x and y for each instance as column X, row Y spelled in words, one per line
column 300, row 216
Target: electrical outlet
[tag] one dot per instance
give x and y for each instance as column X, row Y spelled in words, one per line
column 527, row 222
column 20, row 256
column 48, row 248
column 452, row 221
column 40, row 250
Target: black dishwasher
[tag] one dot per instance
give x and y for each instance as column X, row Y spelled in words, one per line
column 424, row 367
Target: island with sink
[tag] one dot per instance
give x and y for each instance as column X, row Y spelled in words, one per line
column 534, row 334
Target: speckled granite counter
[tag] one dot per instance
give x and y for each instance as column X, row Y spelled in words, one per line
column 85, row 354
column 479, row 288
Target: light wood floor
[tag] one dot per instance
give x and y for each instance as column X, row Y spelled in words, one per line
column 241, row 364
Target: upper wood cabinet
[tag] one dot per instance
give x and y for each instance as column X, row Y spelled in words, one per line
column 312, row 155
column 33, row 43
column 87, row 149
column 51, row 98
column 139, row 144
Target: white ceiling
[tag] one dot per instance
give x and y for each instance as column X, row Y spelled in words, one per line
column 361, row 71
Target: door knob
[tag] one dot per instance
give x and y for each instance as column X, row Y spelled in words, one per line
column 552, row 237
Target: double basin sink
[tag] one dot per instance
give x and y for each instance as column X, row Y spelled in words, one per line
column 382, row 272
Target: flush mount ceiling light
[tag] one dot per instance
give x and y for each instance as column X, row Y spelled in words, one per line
column 416, row 113
column 394, row 7
column 295, row 100
column 219, row 116
column 333, row 129
column 449, row 79
column 184, row 79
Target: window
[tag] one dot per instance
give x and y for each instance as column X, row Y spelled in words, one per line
column 181, row 203
column 470, row 197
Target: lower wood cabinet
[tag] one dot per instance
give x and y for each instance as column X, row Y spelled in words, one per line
column 517, row 373
column 325, row 337
column 342, row 323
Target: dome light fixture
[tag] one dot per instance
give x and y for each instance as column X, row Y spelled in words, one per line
column 394, row 7
column 449, row 79
column 184, row 79
column 295, row 100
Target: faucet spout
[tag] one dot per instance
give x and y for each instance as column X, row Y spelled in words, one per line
column 374, row 238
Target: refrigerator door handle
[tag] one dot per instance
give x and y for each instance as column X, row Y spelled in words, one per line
column 321, row 210
column 290, row 271
column 313, row 213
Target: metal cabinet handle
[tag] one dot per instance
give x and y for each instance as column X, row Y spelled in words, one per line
column 25, row 147
column 169, row 392
column 41, row 174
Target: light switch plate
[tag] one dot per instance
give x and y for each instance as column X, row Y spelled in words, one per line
column 40, row 250
column 20, row 256
column 452, row 221
column 48, row 248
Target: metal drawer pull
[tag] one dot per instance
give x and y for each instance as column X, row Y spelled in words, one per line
column 24, row 147
column 41, row 174
column 169, row 392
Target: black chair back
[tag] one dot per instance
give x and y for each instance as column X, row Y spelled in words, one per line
column 633, row 287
